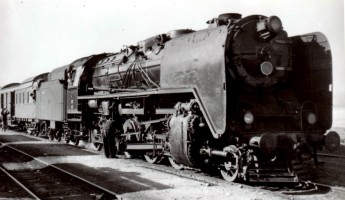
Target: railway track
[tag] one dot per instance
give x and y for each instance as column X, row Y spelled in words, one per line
column 333, row 188
column 45, row 181
column 330, row 162
column 314, row 190
column 13, row 156
column 331, row 155
column 328, row 178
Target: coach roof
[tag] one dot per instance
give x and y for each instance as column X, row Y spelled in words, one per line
column 9, row 87
column 58, row 73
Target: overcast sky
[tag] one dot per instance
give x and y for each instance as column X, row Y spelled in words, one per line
column 37, row 36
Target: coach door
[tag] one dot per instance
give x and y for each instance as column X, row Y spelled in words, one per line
column 12, row 104
column 2, row 101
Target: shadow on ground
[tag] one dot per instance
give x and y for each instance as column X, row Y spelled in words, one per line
column 115, row 180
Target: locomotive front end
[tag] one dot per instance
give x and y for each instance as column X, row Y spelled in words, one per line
column 279, row 96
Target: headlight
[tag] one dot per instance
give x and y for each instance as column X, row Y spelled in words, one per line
column 269, row 25
column 266, row 68
column 248, row 117
column 311, row 118
column 274, row 24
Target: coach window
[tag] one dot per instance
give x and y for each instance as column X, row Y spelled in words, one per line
column 27, row 95
column 23, row 97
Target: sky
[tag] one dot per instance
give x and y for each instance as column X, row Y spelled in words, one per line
column 37, row 36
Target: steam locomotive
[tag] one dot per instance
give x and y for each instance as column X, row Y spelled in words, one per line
column 240, row 95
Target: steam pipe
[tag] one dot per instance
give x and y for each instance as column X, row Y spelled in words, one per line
column 212, row 152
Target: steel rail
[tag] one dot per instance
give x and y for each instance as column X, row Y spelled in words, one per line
column 328, row 186
column 69, row 173
column 330, row 155
column 32, row 194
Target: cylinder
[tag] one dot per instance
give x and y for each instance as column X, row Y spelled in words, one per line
column 219, row 153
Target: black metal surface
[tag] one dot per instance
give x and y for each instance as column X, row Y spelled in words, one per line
column 197, row 61
column 312, row 74
column 248, row 51
column 179, row 136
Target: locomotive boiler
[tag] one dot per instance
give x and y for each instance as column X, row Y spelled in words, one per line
column 240, row 95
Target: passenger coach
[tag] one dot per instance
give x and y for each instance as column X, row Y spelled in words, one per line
column 7, row 100
column 25, row 105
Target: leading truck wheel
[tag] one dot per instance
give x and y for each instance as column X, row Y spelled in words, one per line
column 51, row 134
column 230, row 169
column 150, row 158
column 96, row 140
column 132, row 154
column 230, row 172
column 175, row 164
column 76, row 141
column 66, row 137
column 58, row 136
column 37, row 133
column 97, row 146
column 127, row 154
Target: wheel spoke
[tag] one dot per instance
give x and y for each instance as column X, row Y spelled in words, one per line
column 230, row 175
